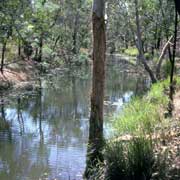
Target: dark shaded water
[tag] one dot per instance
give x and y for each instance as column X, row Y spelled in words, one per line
column 44, row 134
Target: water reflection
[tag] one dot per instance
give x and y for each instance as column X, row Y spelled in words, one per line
column 44, row 135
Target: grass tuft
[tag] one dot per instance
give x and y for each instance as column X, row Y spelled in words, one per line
column 129, row 160
column 141, row 115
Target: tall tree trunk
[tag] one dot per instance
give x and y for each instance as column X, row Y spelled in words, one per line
column 174, row 56
column 140, row 46
column 172, row 61
column 177, row 3
column 97, row 97
column 40, row 48
column 74, row 50
column 158, row 40
column 2, row 57
column 76, row 25
column 19, row 47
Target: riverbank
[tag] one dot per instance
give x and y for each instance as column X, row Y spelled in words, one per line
column 20, row 75
column 147, row 141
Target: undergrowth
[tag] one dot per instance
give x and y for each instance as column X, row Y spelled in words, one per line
column 141, row 115
column 136, row 158
column 131, row 160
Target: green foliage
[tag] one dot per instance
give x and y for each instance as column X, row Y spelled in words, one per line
column 47, row 51
column 148, row 56
column 135, row 117
column 141, row 115
column 129, row 160
column 83, row 57
column 167, row 68
column 131, row 52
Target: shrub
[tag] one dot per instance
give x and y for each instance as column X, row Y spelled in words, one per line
column 147, row 56
column 131, row 52
column 129, row 160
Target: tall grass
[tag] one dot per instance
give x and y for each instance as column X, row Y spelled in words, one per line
column 129, row 160
column 141, row 115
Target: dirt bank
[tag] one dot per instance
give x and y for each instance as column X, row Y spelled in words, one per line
column 19, row 75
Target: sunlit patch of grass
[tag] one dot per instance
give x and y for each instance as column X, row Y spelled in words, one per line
column 141, row 115
column 138, row 116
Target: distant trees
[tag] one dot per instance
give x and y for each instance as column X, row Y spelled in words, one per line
column 45, row 29
column 140, row 45
column 12, row 17
column 144, row 25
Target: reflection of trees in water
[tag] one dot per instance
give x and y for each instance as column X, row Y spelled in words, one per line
column 61, row 110
column 39, row 102
column 5, row 125
column 118, row 83
column 20, row 116
column 23, row 158
column 65, row 109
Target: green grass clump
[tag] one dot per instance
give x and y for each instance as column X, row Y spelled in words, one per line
column 131, row 51
column 166, row 68
column 138, row 116
column 131, row 160
column 157, row 94
column 177, row 79
column 141, row 115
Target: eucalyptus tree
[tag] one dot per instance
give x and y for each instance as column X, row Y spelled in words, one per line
column 97, row 96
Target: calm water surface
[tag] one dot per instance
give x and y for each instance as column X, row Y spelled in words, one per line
column 44, row 134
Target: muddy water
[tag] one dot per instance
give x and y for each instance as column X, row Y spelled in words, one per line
column 44, row 134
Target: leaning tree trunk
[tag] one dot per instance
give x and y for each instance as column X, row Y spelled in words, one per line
column 140, row 46
column 97, row 97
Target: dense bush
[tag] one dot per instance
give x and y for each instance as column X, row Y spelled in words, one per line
column 131, row 160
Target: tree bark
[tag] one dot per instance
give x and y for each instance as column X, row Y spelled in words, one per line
column 19, row 47
column 40, row 48
column 177, row 3
column 174, row 56
column 97, row 97
column 2, row 57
